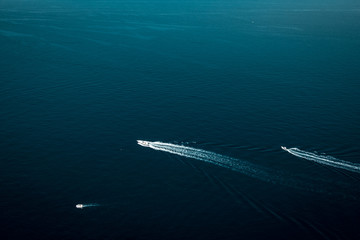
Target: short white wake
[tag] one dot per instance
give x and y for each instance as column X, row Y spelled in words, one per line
column 81, row 205
column 324, row 159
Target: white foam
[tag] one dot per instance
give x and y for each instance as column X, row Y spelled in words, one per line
column 324, row 159
column 211, row 157
column 244, row 167
column 80, row 205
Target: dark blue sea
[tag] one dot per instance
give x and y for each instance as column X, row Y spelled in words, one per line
column 221, row 84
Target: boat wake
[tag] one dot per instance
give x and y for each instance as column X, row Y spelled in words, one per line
column 210, row 157
column 244, row 167
column 299, row 182
column 324, row 159
column 80, row 205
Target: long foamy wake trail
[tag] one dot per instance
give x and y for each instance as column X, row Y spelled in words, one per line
column 252, row 170
column 324, row 159
column 210, row 157
column 243, row 167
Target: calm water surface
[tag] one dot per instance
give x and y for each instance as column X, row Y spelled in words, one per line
column 81, row 82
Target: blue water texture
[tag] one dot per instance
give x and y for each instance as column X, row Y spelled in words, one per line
column 232, row 80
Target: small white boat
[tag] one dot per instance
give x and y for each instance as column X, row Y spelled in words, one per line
column 143, row 143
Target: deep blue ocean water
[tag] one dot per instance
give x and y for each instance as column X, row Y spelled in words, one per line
column 81, row 81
